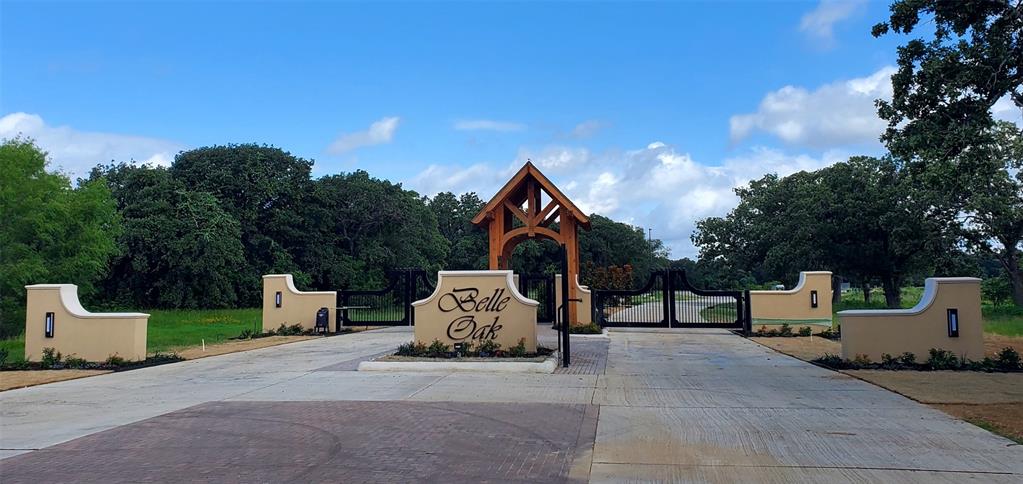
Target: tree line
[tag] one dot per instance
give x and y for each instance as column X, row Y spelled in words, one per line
column 201, row 232
column 947, row 199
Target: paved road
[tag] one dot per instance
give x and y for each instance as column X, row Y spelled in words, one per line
column 688, row 310
column 695, row 406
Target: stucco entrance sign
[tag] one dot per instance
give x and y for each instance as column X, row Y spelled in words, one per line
column 476, row 306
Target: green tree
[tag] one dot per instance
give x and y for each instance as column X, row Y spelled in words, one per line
column 361, row 226
column 263, row 188
column 50, row 232
column 179, row 248
column 468, row 243
column 993, row 211
column 609, row 243
column 945, row 86
column 865, row 219
column 940, row 120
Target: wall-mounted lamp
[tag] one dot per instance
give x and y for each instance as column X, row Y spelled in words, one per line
column 813, row 299
column 953, row 323
column 48, row 327
column 278, row 299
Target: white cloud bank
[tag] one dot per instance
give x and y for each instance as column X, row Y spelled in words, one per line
column 488, row 125
column 75, row 152
column 835, row 114
column 658, row 187
column 380, row 132
column 819, row 23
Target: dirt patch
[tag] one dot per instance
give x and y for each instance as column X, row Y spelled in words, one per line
column 194, row 352
column 952, row 387
column 1005, row 419
column 10, row 380
column 993, row 343
column 804, row 348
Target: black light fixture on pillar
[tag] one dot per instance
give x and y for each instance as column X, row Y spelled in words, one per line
column 48, row 325
column 278, row 299
column 953, row 323
column 813, row 299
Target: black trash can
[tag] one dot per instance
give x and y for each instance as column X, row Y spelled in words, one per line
column 322, row 320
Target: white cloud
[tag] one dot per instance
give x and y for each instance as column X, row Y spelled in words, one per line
column 380, row 132
column 656, row 187
column 1006, row 110
column 554, row 158
column 488, row 125
column 75, row 152
column 835, row 114
column 587, row 129
column 819, row 23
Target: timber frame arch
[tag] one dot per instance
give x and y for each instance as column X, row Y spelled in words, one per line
column 517, row 213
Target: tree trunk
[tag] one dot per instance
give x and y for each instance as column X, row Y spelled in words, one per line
column 892, row 292
column 836, row 290
column 866, row 293
column 1016, row 279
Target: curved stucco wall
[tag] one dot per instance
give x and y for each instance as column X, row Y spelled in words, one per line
column 92, row 336
column 584, row 314
column 917, row 330
column 487, row 302
column 297, row 307
column 795, row 306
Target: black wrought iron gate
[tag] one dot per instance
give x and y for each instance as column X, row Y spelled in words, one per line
column 390, row 306
column 668, row 300
column 540, row 288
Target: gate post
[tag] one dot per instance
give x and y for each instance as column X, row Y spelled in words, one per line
column 565, row 321
column 747, row 316
column 408, row 297
column 668, row 296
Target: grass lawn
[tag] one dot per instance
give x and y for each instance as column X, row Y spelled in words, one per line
column 174, row 328
column 170, row 328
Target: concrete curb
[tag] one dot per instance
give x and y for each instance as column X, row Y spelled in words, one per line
column 545, row 366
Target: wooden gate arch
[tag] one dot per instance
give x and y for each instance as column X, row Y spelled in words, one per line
column 516, row 213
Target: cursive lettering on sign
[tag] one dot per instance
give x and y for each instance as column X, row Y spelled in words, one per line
column 466, row 327
column 467, row 300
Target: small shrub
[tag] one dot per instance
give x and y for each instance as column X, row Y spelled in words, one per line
column 412, row 348
column 942, row 360
column 591, row 328
column 786, row 330
column 488, row 348
column 518, row 350
column 1008, row 359
column 762, row 331
column 51, row 358
column 890, row 362
column 805, row 331
column 861, row 360
column 908, row 359
column 114, row 360
column 828, row 333
column 4, row 354
column 437, row 349
column 158, row 358
column 247, row 334
column 75, row 362
column 831, row 361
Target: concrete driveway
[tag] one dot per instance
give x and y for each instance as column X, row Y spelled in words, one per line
column 685, row 406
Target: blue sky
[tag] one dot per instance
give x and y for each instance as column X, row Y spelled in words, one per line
column 649, row 113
